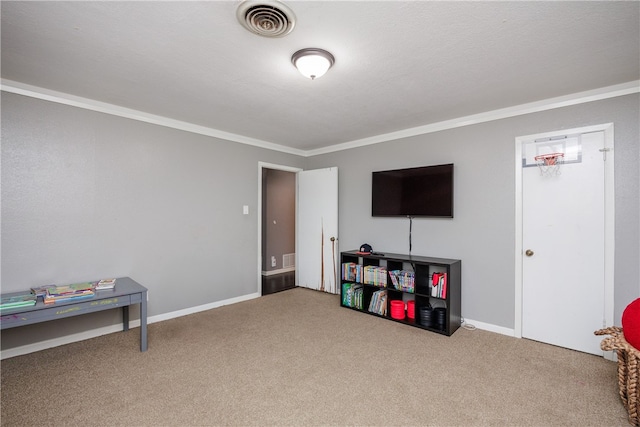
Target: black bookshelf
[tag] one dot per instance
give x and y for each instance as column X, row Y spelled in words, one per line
column 422, row 293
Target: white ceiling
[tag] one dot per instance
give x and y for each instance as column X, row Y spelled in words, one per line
column 399, row 64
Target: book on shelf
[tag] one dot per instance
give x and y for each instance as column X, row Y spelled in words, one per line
column 378, row 303
column 21, row 300
column 346, row 287
column 352, row 271
column 374, row 275
column 356, row 297
column 403, row 280
column 105, row 284
column 352, row 295
column 439, row 285
column 443, row 291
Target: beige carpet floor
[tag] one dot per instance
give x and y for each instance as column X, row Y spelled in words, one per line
column 298, row 358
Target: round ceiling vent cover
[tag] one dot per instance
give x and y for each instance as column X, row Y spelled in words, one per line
column 266, row 18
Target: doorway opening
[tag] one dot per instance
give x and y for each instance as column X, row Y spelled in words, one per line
column 277, row 225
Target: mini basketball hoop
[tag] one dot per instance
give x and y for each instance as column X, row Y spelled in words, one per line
column 549, row 164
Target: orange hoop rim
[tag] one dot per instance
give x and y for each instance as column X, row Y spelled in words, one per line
column 548, row 156
column 551, row 160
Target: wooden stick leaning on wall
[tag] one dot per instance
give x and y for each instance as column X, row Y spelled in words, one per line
column 322, row 254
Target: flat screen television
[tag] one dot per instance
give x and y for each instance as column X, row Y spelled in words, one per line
column 425, row 191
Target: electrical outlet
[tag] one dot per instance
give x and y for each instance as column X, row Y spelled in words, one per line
column 273, row 261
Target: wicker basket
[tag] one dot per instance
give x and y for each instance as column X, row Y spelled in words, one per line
column 628, row 360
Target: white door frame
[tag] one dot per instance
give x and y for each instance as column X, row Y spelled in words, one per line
column 264, row 165
column 609, row 218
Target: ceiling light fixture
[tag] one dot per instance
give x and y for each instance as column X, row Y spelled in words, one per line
column 312, row 62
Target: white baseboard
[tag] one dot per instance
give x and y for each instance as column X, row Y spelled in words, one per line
column 609, row 355
column 93, row 333
column 491, row 328
column 199, row 308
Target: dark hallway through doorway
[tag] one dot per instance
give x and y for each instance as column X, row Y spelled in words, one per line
column 278, row 282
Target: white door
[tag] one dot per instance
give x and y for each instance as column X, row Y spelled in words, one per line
column 317, row 230
column 564, row 279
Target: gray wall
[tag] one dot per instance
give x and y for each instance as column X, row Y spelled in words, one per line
column 87, row 195
column 482, row 232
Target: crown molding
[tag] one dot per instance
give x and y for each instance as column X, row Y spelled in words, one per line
column 518, row 110
column 103, row 107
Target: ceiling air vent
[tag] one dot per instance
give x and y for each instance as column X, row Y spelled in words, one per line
column 266, row 18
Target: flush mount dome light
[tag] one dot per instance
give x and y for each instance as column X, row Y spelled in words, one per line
column 312, row 62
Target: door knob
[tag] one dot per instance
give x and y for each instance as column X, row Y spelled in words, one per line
column 528, row 252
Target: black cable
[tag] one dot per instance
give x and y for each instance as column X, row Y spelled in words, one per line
column 410, row 227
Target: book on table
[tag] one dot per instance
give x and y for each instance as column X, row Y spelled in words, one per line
column 68, row 292
column 105, row 284
column 41, row 291
column 22, row 300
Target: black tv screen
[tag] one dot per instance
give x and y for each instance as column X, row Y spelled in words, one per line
column 425, row 191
